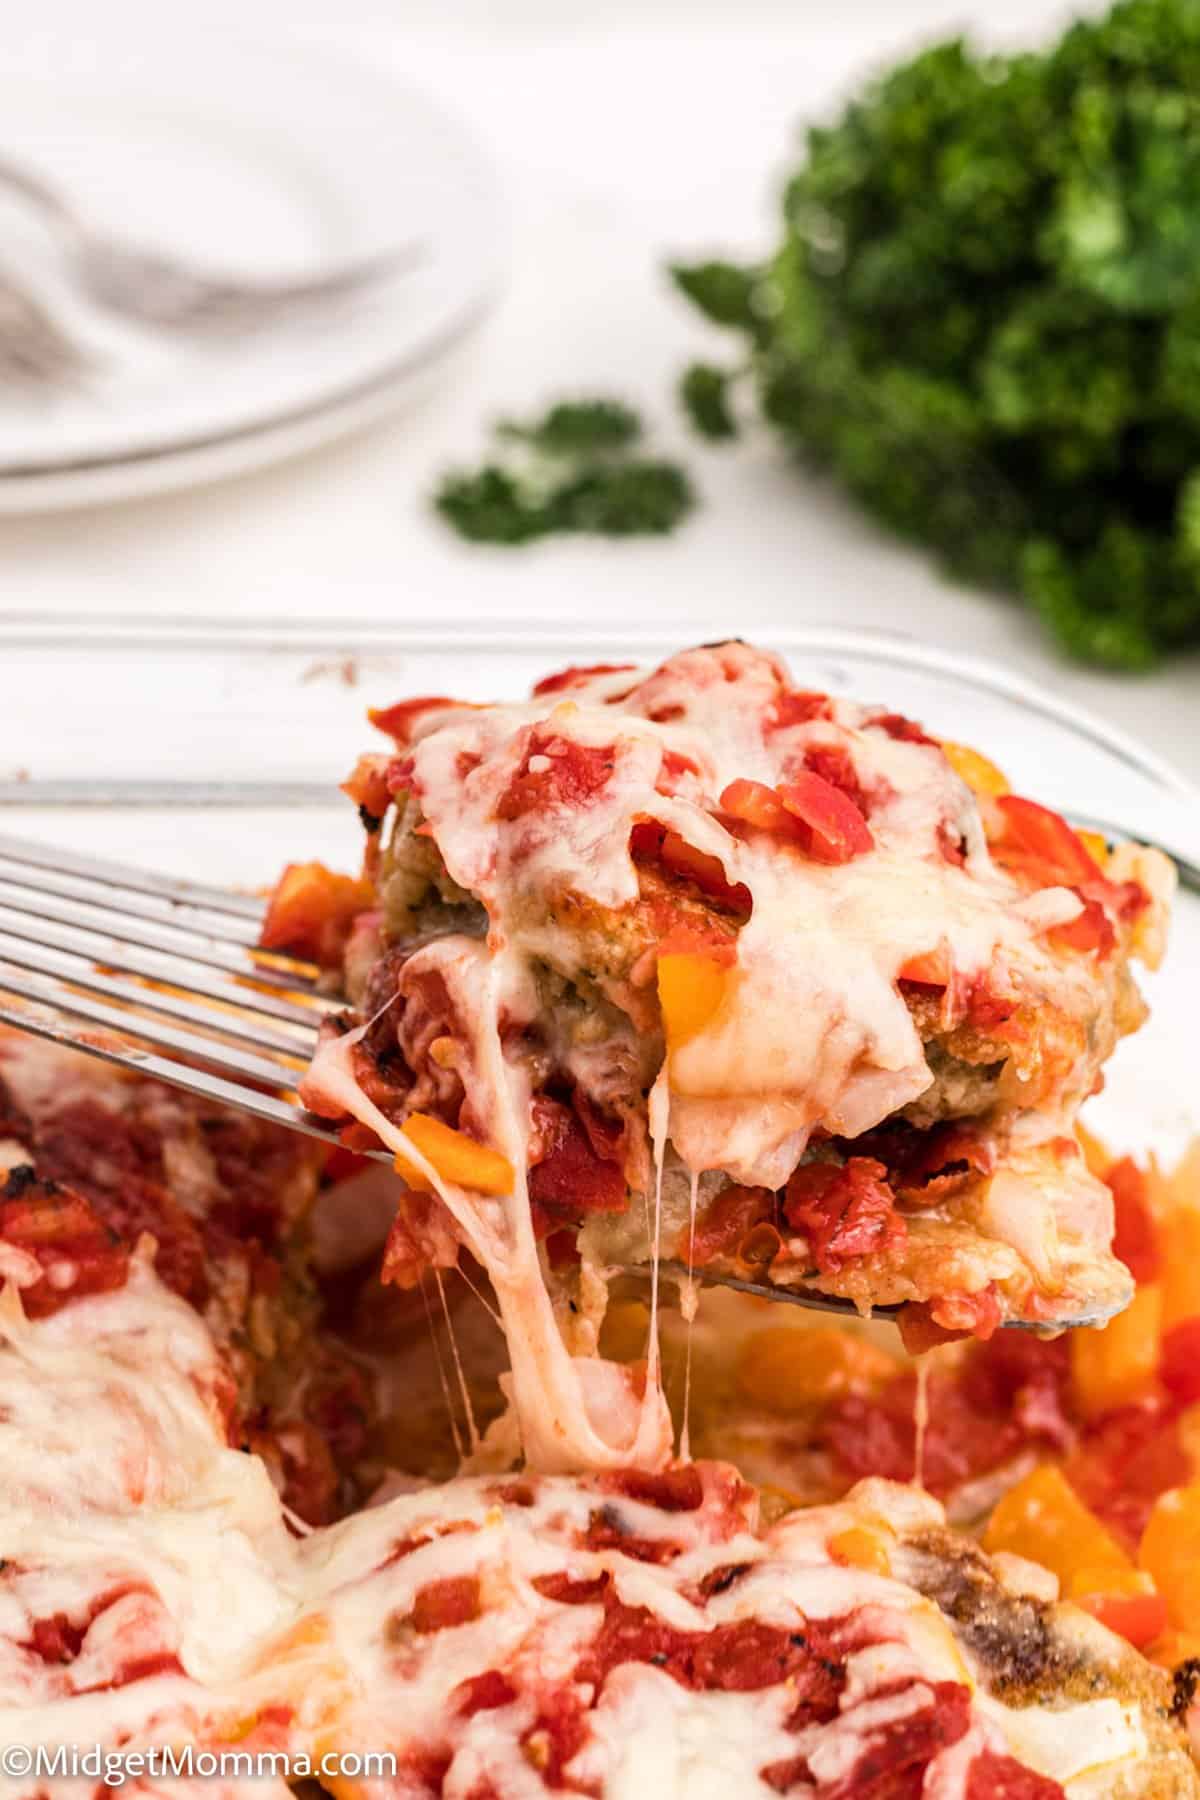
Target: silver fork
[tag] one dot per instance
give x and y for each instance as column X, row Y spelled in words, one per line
column 161, row 976
column 162, row 291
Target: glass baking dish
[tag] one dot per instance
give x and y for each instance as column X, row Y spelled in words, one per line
column 214, row 749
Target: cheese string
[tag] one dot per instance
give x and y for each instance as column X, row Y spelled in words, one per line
column 689, row 1313
column 468, row 1409
column 456, row 1434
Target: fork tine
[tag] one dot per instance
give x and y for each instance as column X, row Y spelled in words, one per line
column 210, row 1052
column 163, row 936
column 177, row 972
column 162, row 1068
column 120, row 875
column 247, row 1027
column 179, row 916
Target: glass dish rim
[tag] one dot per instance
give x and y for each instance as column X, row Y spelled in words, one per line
column 79, row 632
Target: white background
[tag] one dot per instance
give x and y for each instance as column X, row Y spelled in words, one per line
column 624, row 132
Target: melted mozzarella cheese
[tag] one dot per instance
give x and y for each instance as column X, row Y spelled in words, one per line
column 813, row 1033
column 323, row 1634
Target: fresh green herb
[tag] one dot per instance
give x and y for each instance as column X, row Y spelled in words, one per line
column 578, row 428
column 983, row 318
column 704, row 394
column 571, row 470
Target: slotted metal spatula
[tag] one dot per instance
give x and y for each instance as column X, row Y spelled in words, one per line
column 162, row 976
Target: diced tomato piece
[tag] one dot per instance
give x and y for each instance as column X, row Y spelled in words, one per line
column 1039, row 843
column 555, row 1738
column 755, row 804
column 834, row 764
column 1124, row 1462
column 925, row 1324
column 1092, row 932
column 904, row 1746
column 55, row 1640
column 845, row 1211
column 311, row 913
column 923, row 1166
column 907, row 731
column 671, row 1490
column 652, row 847
column 569, row 1178
column 931, row 968
column 743, row 1657
column 576, row 675
column 79, row 1254
column 1135, row 1239
column 798, row 707
column 726, row 1223
column 398, row 722
column 342, row 1164
column 483, row 1693
column 367, row 784
column 673, row 768
column 834, row 828
column 555, row 772
column 439, row 1605
column 808, row 809
column 1180, row 1361
column 1138, row 1617
column 790, row 1772
column 570, row 1590
column 994, row 1776
column 682, row 858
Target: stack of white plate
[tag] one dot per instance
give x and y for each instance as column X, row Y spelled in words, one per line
column 260, row 159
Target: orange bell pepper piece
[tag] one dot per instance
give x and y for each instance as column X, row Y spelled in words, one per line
column 789, row 1369
column 311, row 911
column 457, row 1158
column 1043, row 1519
column 1119, row 1362
column 1179, row 1235
column 691, row 988
column 1170, row 1552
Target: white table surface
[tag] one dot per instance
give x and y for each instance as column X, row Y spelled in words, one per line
column 625, row 132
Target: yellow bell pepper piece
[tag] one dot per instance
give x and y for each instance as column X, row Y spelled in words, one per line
column 791, row 1369
column 858, row 1547
column 1096, row 845
column 456, row 1157
column 690, row 991
column 1045, row 1521
column 1170, row 1552
column 978, row 771
column 1118, row 1362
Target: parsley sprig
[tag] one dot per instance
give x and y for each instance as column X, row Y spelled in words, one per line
column 982, row 316
column 576, row 468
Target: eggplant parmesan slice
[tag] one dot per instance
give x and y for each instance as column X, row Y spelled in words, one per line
column 523, row 1635
column 694, row 957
